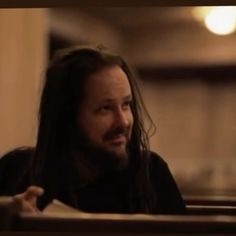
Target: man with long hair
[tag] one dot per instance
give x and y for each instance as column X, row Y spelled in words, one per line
column 92, row 149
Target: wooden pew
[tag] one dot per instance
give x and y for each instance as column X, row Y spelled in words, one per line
column 210, row 210
column 126, row 224
column 8, row 208
column 210, row 205
column 210, row 200
column 116, row 224
column 4, row 214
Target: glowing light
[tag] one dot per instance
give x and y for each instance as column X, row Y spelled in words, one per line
column 218, row 20
column 199, row 13
column 221, row 20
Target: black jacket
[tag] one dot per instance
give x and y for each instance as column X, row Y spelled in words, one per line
column 107, row 194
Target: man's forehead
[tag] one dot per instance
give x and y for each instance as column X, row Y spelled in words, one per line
column 109, row 81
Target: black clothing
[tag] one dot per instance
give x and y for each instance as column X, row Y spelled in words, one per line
column 107, row 194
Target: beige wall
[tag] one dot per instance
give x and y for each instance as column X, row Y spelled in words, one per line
column 196, row 132
column 23, row 51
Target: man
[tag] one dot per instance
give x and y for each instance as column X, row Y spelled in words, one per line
column 92, row 150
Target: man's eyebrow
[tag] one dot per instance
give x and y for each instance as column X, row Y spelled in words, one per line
column 128, row 97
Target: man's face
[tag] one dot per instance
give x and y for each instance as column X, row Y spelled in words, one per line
column 105, row 116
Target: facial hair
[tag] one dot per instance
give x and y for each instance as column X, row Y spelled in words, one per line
column 105, row 160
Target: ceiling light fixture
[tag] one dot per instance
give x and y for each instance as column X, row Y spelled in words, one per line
column 218, row 20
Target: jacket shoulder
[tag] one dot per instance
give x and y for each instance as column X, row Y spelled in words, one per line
column 169, row 197
column 21, row 152
column 156, row 160
column 13, row 167
column 18, row 158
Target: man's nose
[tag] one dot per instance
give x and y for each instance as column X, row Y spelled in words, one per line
column 122, row 118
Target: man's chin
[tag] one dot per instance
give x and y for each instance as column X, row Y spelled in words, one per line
column 110, row 158
column 116, row 152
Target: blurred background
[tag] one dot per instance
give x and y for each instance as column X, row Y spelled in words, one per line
column 187, row 70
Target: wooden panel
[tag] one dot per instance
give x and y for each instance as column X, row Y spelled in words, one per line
column 128, row 224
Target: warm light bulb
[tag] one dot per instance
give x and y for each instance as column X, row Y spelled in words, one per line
column 199, row 13
column 221, row 20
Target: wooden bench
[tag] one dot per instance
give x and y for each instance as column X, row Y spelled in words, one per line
column 210, row 210
column 110, row 224
column 210, row 200
column 8, row 208
column 115, row 224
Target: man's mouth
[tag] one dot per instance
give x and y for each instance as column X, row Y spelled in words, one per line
column 118, row 139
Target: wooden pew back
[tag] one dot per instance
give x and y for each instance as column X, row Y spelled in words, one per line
column 127, row 224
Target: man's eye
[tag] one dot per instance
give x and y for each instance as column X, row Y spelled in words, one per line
column 105, row 108
column 126, row 104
